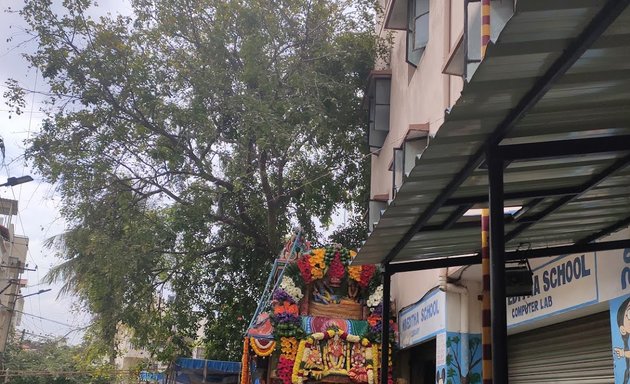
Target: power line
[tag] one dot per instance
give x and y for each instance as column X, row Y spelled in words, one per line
column 51, row 320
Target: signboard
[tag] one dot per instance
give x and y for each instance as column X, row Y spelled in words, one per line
column 562, row 284
column 620, row 332
column 613, row 273
column 423, row 320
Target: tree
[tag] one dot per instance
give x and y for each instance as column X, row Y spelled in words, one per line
column 49, row 361
column 186, row 139
column 353, row 234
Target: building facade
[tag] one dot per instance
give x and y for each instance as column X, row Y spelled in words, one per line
column 13, row 251
column 576, row 325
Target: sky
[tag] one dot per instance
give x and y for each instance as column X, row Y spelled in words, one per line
column 38, row 217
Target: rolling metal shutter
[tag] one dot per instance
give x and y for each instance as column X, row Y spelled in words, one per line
column 576, row 351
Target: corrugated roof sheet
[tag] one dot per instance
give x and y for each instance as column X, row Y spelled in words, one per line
column 592, row 99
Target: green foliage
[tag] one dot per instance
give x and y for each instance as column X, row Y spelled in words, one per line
column 293, row 271
column 376, row 280
column 352, row 235
column 50, row 361
column 184, row 141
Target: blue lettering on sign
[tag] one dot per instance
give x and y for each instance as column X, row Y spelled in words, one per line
column 536, row 290
column 429, row 311
column 410, row 321
column 625, row 272
column 414, row 319
column 564, row 273
column 557, row 276
column 529, row 307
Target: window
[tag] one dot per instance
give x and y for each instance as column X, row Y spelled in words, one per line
column 417, row 30
column 379, row 111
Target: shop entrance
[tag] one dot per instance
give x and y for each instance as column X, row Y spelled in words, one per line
column 422, row 363
column 575, row 351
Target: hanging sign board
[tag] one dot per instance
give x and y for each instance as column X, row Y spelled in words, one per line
column 563, row 284
column 422, row 320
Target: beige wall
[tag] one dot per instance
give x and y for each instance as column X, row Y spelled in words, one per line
column 409, row 287
column 419, row 95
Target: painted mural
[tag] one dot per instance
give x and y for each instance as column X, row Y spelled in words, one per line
column 620, row 326
column 462, row 368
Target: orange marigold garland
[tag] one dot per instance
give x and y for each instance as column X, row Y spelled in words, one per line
column 286, row 307
column 318, row 264
column 262, row 347
column 245, row 362
column 354, row 272
column 288, row 346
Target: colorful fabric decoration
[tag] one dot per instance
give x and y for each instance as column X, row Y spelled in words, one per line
column 313, row 324
column 262, row 327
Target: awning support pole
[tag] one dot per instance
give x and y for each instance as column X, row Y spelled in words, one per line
column 384, row 365
column 497, row 270
column 486, row 321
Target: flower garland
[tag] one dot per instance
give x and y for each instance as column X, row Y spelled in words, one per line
column 375, row 298
column 284, row 369
column 362, row 274
column 262, row 347
column 336, row 270
column 318, row 264
column 355, row 358
column 304, row 265
column 288, row 352
column 333, row 261
column 367, row 273
column 286, row 307
column 362, row 362
column 289, row 329
column 297, row 376
column 374, row 367
column 337, row 250
column 286, row 313
column 354, row 272
column 288, row 286
column 245, row 362
column 288, row 346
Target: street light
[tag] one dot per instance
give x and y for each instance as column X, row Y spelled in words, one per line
column 18, row 296
column 13, row 181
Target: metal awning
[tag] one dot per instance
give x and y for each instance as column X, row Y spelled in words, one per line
column 558, row 77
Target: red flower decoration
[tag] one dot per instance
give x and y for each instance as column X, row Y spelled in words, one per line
column 366, row 275
column 284, row 369
column 336, row 269
column 305, row 268
column 373, row 320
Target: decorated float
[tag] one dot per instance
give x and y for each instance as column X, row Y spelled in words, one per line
column 319, row 320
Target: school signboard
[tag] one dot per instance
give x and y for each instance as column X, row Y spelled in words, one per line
column 422, row 320
column 562, row 284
